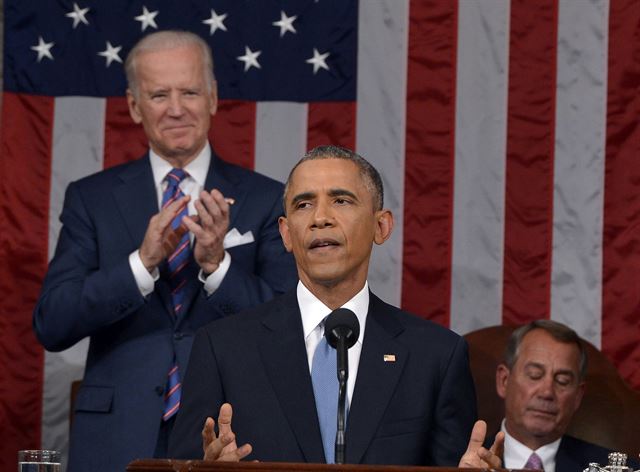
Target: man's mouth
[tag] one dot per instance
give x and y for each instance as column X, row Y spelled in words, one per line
column 323, row 243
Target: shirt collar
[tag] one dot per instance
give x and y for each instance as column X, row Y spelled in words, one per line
column 516, row 454
column 197, row 168
column 313, row 311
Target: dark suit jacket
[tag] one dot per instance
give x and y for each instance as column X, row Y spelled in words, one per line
column 574, row 455
column 90, row 290
column 417, row 410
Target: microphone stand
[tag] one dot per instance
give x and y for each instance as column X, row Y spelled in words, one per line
column 343, row 375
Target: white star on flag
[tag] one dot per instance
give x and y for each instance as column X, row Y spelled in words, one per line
column 43, row 49
column 250, row 58
column 147, row 18
column 285, row 23
column 216, row 22
column 318, row 60
column 111, row 54
column 78, row 15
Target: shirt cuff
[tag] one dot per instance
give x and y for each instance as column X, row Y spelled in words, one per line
column 215, row 278
column 144, row 280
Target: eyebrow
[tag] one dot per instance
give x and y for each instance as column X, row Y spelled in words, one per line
column 334, row 192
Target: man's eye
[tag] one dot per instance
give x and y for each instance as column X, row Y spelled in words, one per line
column 563, row 380
column 342, row 201
column 158, row 96
column 302, row 205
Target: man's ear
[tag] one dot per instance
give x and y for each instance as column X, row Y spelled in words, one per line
column 384, row 226
column 213, row 108
column 134, row 111
column 283, row 226
column 502, row 379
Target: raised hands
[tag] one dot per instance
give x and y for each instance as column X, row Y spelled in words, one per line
column 209, row 229
column 223, row 446
column 477, row 456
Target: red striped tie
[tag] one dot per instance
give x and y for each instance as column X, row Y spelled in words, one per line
column 177, row 278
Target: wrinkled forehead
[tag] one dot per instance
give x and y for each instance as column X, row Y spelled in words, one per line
column 322, row 176
column 540, row 348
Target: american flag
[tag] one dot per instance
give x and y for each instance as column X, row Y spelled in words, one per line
column 507, row 134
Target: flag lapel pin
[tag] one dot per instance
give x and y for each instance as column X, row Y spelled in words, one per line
column 389, row 357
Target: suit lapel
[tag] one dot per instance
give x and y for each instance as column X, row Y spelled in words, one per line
column 136, row 198
column 285, row 360
column 221, row 176
column 376, row 379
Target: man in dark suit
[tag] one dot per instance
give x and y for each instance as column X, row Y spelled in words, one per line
column 542, row 383
column 410, row 393
column 151, row 250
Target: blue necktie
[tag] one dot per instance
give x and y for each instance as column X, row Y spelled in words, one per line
column 325, row 390
column 177, row 278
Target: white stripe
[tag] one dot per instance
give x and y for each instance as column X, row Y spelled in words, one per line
column 579, row 166
column 78, row 145
column 281, row 137
column 480, row 165
column 381, row 115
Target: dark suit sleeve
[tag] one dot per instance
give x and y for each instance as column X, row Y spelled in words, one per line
column 202, row 396
column 82, row 294
column 455, row 410
column 271, row 270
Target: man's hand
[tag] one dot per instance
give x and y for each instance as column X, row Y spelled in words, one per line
column 222, row 447
column 210, row 230
column 479, row 457
column 161, row 240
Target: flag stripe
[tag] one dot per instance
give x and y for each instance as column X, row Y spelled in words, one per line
column 233, row 132
column 530, row 144
column 123, row 141
column 332, row 123
column 287, row 121
column 25, row 188
column 380, row 127
column 429, row 159
column 478, row 220
column 621, row 291
column 579, row 167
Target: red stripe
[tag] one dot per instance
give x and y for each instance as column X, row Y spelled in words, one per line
column 530, row 148
column 428, row 199
column 331, row 123
column 177, row 252
column 180, row 285
column 123, row 140
column 171, row 411
column 25, row 167
column 172, row 391
column 172, row 371
column 233, row 132
column 621, row 239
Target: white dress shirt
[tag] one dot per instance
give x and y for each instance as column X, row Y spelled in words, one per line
column 313, row 312
column 516, row 454
column 191, row 185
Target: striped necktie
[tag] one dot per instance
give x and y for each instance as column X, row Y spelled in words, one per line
column 325, row 390
column 177, row 278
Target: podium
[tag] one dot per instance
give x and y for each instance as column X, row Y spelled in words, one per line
column 173, row 465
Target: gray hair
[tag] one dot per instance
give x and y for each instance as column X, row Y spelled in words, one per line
column 169, row 39
column 369, row 174
column 557, row 331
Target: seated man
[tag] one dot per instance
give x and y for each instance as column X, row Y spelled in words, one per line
column 410, row 392
column 542, row 383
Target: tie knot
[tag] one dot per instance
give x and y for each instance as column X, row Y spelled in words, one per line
column 176, row 176
column 534, row 462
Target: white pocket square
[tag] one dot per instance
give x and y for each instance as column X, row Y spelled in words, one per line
column 233, row 238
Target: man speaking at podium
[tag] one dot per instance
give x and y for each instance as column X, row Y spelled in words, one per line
column 410, row 394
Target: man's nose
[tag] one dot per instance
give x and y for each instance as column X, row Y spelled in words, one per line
column 547, row 387
column 322, row 216
column 176, row 107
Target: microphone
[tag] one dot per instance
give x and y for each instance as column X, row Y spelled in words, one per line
column 341, row 330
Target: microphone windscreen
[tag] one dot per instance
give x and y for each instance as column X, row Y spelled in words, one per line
column 342, row 323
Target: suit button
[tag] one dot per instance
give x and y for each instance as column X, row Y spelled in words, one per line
column 178, row 336
column 159, row 390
